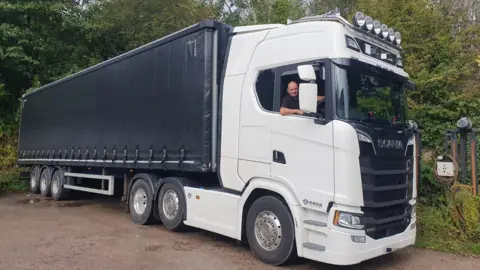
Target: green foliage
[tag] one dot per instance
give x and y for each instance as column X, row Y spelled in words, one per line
column 246, row 12
column 9, row 182
column 453, row 226
column 114, row 27
column 439, row 58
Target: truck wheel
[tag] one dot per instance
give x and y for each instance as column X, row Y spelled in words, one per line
column 57, row 190
column 140, row 202
column 35, row 180
column 270, row 231
column 172, row 206
column 45, row 181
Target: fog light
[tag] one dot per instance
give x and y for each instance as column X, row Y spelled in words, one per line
column 358, row 238
column 413, row 225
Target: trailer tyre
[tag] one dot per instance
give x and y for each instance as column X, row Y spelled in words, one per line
column 270, row 231
column 57, row 190
column 35, row 180
column 140, row 202
column 172, row 206
column 46, row 181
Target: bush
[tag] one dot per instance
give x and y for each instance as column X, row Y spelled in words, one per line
column 451, row 223
column 10, row 182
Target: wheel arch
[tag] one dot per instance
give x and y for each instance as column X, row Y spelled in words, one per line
column 182, row 182
column 258, row 188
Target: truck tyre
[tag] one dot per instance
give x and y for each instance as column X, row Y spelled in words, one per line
column 172, row 206
column 46, row 181
column 140, row 202
column 57, row 190
column 35, row 180
column 270, row 231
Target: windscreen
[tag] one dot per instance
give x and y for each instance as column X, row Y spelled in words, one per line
column 369, row 94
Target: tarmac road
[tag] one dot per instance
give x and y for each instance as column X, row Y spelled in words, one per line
column 95, row 233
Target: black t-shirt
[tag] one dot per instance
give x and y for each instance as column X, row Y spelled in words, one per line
column 290, row 102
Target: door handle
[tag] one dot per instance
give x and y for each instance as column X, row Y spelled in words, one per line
column 279, row 157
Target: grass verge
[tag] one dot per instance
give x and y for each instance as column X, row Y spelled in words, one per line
column 455, row 247
column 437, row 231
column 10, row 182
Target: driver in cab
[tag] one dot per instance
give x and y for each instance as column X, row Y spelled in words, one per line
column 290, row 103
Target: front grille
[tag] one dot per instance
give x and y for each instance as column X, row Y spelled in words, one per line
column 387, row 183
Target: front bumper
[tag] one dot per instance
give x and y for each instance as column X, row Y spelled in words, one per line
column 339, row 249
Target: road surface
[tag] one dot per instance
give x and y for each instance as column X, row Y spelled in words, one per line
column 96, row 233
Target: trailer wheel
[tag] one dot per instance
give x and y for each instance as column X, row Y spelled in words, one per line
column 172, row 206
column 35, row 180
column 57, row 190
column 270, row 231
column 46, row 181
column 140, row 202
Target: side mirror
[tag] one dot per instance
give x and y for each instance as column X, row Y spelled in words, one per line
column 306, row 73
column 307, row 97
column 411, row 85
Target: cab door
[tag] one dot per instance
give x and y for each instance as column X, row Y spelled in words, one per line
column 302, row 150
column 293, row 149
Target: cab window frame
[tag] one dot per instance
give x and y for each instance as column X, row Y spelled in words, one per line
column 277, row 86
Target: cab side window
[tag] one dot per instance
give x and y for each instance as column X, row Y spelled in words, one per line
column 289, row 74
column 271, row 85
column 265, row 87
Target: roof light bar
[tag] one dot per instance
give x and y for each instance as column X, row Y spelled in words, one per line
column 374, row 27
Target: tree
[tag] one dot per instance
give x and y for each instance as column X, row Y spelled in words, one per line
column 116, row 26
column 246, row 12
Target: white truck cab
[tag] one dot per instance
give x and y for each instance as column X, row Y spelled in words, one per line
column 345, row 171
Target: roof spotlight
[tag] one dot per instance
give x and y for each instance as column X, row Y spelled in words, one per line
column 369, row 23
column 384, row 31
column 391, row 34
column 398, row 38
column 359, row 19
column 377, row 28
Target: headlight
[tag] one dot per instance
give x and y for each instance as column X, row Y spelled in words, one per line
column 384, row 31
column 359, row 19
column 369, row 23
column 348, row 220
column 414, row 210
column 398, row 38
column 377, row 28
column 391, row 34
column 363, row 138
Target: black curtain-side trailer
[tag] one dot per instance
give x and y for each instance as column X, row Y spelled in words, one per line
column 150, row 108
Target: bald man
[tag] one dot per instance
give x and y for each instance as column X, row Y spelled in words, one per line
column 290, row 104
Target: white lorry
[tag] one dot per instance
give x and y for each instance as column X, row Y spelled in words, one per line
column 191, row 124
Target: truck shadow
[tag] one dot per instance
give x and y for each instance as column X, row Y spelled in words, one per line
column 220, row 241
column 215, row 241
